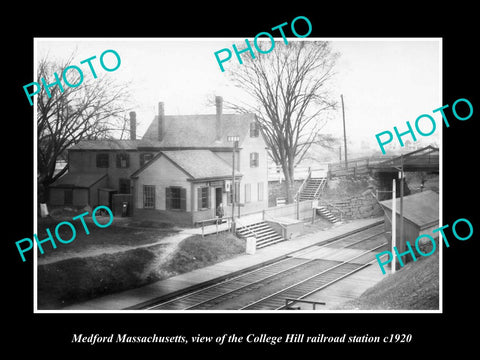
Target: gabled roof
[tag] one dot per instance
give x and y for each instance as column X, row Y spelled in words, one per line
column 197, row 164
column 181, row 131
column 113, row 144
column 78, row 180
column 421, row 209
column 199, row 130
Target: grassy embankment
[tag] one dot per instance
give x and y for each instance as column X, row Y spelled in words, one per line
column 413, row 287
column 80, row 278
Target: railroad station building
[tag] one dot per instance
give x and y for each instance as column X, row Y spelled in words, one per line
column 180, row 170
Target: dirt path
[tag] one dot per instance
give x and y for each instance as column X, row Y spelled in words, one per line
column 169, row 243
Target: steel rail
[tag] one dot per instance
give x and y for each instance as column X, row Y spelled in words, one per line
column 263, row 268
column 330, row 283
column 253, row 283
column 312, row 277
column 278, row 273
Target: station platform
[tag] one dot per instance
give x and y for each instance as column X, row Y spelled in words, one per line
column 131, row 300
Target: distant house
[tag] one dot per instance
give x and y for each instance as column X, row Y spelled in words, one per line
column 181, row 170
column 421, row 216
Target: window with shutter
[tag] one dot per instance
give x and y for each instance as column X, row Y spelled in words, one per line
column 183, row 199
column 203, row 197
column 254, row 159
column 122, row 160
column 168, row 198
column 260, row 191
column 248, row 193
column 102, row 160
column 176, row 198
column 149, row 196
column 237, row 194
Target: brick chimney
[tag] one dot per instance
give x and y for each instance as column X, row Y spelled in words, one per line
column 218, row 122
column 161, row 121
column 133, row 125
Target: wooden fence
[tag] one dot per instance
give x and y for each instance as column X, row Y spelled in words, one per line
column 275, row 172
column 301, row 210
column 354, row 167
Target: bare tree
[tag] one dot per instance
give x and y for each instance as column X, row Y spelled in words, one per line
column 291, row 97
column 93, row 110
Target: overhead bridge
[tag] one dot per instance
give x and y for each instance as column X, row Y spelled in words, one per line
column 425, row 159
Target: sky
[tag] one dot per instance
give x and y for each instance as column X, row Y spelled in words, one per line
column 384, row 82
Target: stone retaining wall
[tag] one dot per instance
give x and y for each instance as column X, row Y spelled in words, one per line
column 355, row 207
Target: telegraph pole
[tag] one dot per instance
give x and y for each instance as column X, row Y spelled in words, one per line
column 234, row 140
column 344, row 133
column 402, row 183
column 394, row 223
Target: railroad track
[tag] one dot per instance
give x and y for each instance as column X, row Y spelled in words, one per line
column 314, row 283
column 307, row 276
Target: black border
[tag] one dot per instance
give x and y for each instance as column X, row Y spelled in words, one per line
column 51, row 333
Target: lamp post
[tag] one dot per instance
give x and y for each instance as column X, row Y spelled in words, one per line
column 234, row 140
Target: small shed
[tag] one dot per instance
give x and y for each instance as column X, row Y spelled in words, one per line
column 421, row 216
column 77, row 189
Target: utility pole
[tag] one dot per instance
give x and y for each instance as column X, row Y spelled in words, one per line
column 402, row 180
column 344, row 133
column 234, row 140
column 394, row 223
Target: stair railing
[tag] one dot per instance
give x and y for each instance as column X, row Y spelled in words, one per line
column 247, row 228
column 320, row 186
column 300, row 189
column 214, row 221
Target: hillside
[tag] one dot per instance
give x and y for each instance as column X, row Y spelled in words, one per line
column 413, row 287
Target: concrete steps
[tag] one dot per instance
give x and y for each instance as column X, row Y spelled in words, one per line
column 265, row 235
column 324, row 212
